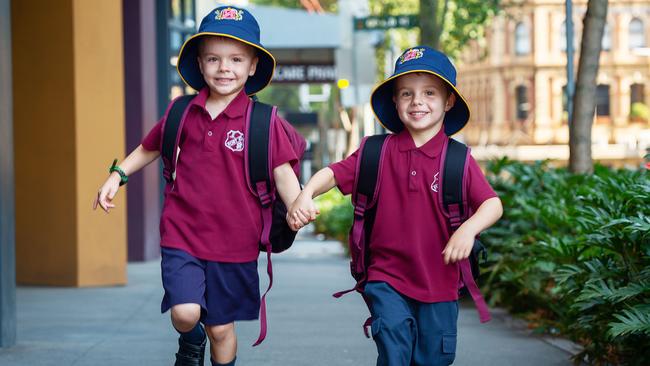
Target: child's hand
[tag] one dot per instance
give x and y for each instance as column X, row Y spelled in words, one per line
column 107, row 192
column 302, row 211
column 459, row 246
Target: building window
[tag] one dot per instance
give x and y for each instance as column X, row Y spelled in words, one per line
column 523, row 107
column 638, row 109
column 637, row 34
column 607, row 38
column 522, row 39
column 602, row 100
column 181, row 25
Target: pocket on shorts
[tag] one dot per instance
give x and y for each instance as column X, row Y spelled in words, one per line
column 448, row 348
column 375, row 327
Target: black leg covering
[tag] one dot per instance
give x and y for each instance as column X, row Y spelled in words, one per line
column 190, row 354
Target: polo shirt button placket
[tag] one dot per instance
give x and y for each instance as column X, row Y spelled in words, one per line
column 413, row 187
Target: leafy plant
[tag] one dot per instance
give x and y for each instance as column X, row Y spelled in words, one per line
column 575, row 248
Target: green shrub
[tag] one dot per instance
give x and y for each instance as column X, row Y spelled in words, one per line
column 335, row 217
column 572, row 253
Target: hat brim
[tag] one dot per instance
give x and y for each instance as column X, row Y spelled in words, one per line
column 188, row 67
column 385, row 111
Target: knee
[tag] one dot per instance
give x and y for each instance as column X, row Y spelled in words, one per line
column 220, row 333
column 185, row 316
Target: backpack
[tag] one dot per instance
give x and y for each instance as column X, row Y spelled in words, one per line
column 276, row 234
column 453, row 165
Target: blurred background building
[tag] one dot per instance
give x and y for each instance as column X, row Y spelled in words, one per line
column 515, row 80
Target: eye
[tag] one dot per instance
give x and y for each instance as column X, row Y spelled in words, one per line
column 405, row 93
column 211, row 59
column 429, row 93
column 238, row 59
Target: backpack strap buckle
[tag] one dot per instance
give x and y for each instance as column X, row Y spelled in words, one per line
column 263, row 194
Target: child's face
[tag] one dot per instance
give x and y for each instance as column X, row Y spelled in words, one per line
column 226, row 64
column 421, row 100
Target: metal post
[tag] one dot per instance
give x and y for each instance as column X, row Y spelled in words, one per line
column 7, row 200
column 570, row 84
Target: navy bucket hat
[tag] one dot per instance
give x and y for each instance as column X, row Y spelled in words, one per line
column 419, row 59
column 234, row 23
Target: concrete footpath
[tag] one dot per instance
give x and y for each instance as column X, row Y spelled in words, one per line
column 123, row 325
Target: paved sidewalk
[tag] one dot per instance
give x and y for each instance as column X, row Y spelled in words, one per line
column 123, row 325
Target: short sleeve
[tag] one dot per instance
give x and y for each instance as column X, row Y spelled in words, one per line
column 479, row 190
column 344, row 172
column 282, row 149
column 151, row 142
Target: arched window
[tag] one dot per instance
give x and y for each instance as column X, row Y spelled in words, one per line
column 562, row 38
column 521, row 94
column 636, row 34
column 522, row 39
column 607, row 38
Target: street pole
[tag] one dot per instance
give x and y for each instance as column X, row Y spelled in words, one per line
column 570, row 83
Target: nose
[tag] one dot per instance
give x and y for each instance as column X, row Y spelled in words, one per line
column 417, row 99
column 224, row 66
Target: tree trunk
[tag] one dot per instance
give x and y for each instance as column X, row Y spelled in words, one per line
column 584, row 101
column 429, row 28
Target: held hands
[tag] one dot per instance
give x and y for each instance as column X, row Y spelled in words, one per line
column 302, row 211
column 459, row 246
column 107, row 192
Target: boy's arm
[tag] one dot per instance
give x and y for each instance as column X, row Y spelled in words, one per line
column 303, row 210
column 461, row 242
column 286, row 183
column 138, row 159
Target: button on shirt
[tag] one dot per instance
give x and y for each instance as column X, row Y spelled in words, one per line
column 209, row 210
column 410, row 231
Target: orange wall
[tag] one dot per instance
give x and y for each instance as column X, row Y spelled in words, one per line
column 68, row 126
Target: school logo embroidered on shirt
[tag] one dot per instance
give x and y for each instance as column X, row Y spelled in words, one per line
column 412, row 54
column 434, row 184
column 235, row 140
column 229, row 14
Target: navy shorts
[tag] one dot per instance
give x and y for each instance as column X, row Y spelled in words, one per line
column 411, row 333
column 226, row 291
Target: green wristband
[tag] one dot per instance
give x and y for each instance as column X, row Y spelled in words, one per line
column 123, row 177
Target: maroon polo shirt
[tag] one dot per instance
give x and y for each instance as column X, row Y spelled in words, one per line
column 209, row 211
column 410, row 231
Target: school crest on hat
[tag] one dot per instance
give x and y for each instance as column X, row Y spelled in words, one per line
column 412, row 54
column 229, row 13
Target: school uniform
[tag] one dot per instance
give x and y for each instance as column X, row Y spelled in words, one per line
column 211, row 223
column 412, row 294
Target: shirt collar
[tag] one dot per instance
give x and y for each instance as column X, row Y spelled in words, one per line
column 431, row 148
column 236, row 108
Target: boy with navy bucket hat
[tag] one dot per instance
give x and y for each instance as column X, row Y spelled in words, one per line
column 407, row 258
column 212, row 221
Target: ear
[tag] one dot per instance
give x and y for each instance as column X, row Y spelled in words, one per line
column 198, row 60
column 451, row 100
column 253, row 66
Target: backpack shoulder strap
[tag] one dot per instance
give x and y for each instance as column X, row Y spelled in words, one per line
column 368, row 171
column 454, row 161
column 170, row 134
column 258, row 169
column 258, row 151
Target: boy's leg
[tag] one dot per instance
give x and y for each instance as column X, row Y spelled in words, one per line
column 393, row 327
column 232, row 294
column 436, row 342
column 183, row 278
column 223, row 343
